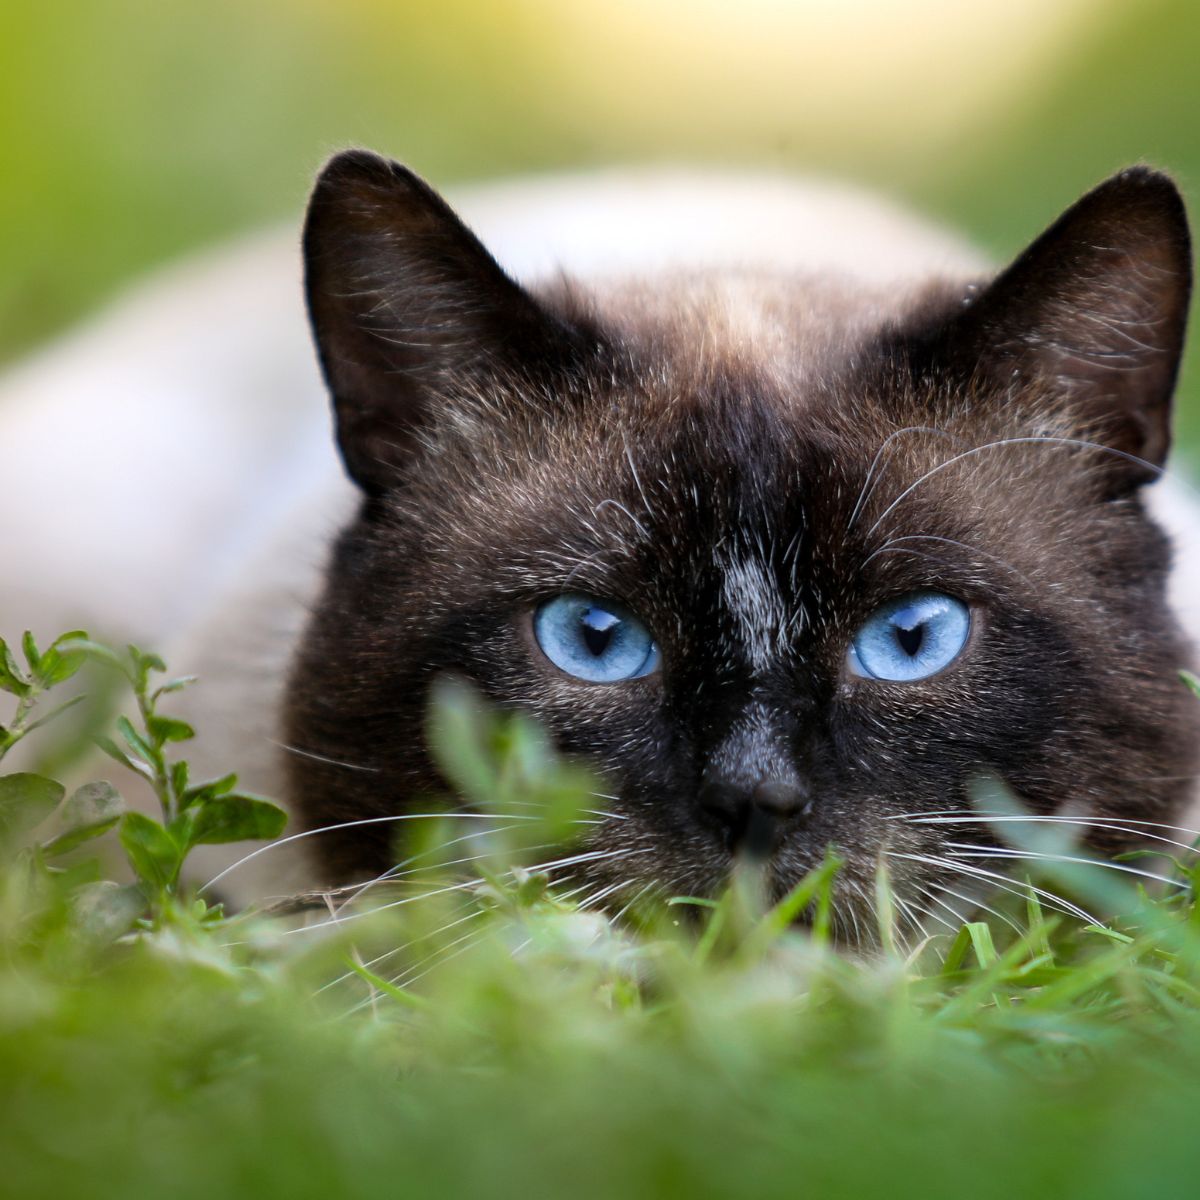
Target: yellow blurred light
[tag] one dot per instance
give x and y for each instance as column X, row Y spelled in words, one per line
column 891, row 76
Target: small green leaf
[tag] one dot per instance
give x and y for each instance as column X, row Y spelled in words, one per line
column 207, row 790
column 69, row 638
column 236, row 818
column 174, row 685
column 182, row 829
column 144, row 662
column 134, row 740
column 25, row 802
column 106, row 910
column 388, row 988
column 167, row 729
column 57, row 666
column 179, row 781
column 118, row 755
column 32, row 656
column 12, row 678
column 92, row 810
column 458, row 739
column 151, row 849
column 96, row 651
column 1191, row 681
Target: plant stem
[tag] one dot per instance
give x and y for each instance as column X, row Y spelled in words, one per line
column 161, row 783
column 18, row 728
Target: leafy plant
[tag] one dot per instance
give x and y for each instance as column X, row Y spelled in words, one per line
column 211, row 811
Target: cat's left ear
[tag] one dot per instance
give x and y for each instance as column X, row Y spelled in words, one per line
column 411, row 314
column 1090, row 320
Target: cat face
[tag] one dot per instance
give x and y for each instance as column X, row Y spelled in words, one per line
column 783, row 594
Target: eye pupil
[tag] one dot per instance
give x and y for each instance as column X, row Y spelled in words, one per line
column 598, row 629
column 911, row 639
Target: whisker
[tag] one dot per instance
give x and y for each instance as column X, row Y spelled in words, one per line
column 610, row 502
column 629, row 904
column 472, row 938
column 595, row 812
column 407, row 978
column 893, row 545
column 909, row 911
column 600, row 895
column 974, row 902
column 855, row 889
column 379, row 958
column 950, row 816
column 637, row 479
column 394, row 874
column 1117, row 825
column 868, row 488
column 572, row 860
column 969, row 851
column 307, row 833
column 323, row 758
column 1003, row 882
column 933, row 916
column 478, row 912
column 1045, row 439
column 936, row 898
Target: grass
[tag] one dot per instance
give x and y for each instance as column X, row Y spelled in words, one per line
column 502, row 1039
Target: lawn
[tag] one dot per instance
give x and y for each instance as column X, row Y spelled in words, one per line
column 491, row 1034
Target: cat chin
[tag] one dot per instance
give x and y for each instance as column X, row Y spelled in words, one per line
column 193, row 413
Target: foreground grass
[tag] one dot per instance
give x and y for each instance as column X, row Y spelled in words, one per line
column 164, row 1049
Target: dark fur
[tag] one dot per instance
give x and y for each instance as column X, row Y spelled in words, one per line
column 511, row 448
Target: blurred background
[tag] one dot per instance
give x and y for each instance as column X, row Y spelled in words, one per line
column 135, row 130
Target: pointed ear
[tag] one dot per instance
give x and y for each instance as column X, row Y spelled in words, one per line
column 1090, row 320
column 408, row 309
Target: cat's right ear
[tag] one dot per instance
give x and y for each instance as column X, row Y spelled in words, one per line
column 1084, row 331
column 409, row 310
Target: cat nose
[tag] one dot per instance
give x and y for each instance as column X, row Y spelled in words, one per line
column 753, row 818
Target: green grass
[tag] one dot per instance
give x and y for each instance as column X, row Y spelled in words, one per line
column 154, row 1046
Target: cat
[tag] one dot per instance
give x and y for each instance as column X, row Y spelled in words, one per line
column 772, row 505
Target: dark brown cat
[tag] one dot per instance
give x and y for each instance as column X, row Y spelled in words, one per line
column 791, row 562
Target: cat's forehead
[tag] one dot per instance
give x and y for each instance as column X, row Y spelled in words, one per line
column 753, row 380
column 692, row 331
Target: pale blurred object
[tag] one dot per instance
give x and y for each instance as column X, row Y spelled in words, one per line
column 848, row 81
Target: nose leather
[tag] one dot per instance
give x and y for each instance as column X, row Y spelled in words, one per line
column 753, row 818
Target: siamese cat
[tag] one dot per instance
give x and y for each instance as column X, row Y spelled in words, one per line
column 775, row 506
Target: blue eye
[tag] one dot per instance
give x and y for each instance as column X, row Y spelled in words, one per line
column 911, row 638
column 594, row 640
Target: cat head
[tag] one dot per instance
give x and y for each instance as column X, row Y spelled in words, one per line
column 785, row 589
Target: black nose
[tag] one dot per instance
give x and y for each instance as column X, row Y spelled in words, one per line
column 752, row 819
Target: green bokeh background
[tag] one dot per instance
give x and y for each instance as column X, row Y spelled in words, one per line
column 134, row 130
